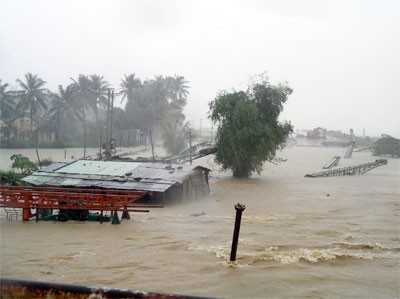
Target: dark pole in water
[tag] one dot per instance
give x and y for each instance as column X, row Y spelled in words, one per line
column 239, row 210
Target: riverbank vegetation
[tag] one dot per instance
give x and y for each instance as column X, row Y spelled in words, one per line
column 75, row 115
column 21, row 166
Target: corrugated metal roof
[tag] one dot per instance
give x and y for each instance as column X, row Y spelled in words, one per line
column 112, row 175
column 98, row 167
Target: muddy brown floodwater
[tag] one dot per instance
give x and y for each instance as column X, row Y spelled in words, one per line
column 335, row 237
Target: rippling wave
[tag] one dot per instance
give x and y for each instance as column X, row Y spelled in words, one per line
column 289, row 255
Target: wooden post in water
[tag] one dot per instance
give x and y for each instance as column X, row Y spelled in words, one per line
column 239, row 210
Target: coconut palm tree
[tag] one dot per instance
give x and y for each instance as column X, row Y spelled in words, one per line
column 159, row 99
column 81, row 88
column 6, row 100
column 98, row 90
column 85, row 99
column 129, row 86
column 8, row 113
column 175, row 137
column 65, row 109
column 32, row 96
column 179, row 91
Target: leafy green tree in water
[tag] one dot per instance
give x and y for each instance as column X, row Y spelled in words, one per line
column 249, row 132
column 387, row 145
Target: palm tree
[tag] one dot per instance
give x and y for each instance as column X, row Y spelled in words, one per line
column 129, row 86
column 8, row 113
column 83, row 94
column 32, row 96
column 175, row 137
column 6, row 100
column 81, row 88
column 179, row 90
column 98, row 90
column 158, row 99
column 65, row 109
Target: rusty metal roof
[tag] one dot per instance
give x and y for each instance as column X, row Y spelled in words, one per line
column 112, row 175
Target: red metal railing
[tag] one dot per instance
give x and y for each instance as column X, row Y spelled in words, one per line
column 67, row 198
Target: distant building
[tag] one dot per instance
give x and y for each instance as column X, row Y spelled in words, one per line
column 21, row 129
column 317, row 133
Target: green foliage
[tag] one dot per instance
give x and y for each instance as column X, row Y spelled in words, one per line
column 154, row 102
column 9, row 177
column 77, row 112
column 249, row 132
column 6, row 103
column 129, row 86
column 32, row 96
column 362, row 142
column 387, row 145
column 22, row 163
column 45, row 162
column 65, row 111
column 175, row 137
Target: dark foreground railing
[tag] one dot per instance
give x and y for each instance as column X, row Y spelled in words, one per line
column 22, row 289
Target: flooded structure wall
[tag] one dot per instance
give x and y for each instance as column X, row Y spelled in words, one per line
column 164, row 182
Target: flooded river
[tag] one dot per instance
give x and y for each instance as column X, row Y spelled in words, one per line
column 335, row 237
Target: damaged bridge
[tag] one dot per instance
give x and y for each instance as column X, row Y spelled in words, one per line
column 350, row 170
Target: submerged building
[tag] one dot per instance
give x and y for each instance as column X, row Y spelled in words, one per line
column 164, row 183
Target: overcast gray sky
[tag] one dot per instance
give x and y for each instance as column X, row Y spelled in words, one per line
column 340, row 57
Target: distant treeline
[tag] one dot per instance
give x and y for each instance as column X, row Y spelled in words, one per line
column 75, row 115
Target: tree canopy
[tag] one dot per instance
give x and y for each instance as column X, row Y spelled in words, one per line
column 249, row 131
column 387, row 145
column 175, row 137
column 76, row 114
column 32, row 95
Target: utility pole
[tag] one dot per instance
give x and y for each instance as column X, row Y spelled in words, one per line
column 110, row 104
column 111, row 119
column 201, row 120
column 152, row 146
column 190, row 146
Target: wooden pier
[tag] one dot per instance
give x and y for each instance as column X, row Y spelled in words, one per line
column 350, row 170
